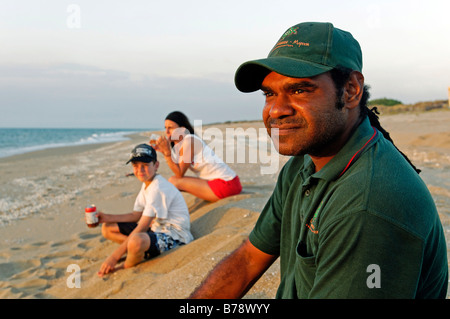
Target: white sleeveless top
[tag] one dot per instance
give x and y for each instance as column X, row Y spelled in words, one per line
column 206, row 164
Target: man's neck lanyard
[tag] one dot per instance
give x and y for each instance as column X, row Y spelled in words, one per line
column 359, row 152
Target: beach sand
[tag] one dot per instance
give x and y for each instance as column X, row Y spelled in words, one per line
column 43, row 233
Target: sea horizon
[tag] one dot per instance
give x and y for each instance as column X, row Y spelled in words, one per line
column 20, row 140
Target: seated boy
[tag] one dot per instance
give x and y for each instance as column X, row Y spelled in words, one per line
column 159, row 222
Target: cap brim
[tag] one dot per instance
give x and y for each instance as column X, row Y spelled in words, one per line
column 250, row 75
column 145, row 159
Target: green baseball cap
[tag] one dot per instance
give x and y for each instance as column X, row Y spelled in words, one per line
column 304, row 50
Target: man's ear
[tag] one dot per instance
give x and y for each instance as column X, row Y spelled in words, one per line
column 353, row 89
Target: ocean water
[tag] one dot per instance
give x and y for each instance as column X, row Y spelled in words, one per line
column 14, row 141
column 25, row 193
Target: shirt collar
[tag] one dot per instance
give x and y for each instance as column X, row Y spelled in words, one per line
column 365, row 136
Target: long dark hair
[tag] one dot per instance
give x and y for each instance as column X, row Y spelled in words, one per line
column 340, row 76
column 181, row 120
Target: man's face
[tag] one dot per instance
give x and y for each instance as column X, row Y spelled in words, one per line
column 301, row 116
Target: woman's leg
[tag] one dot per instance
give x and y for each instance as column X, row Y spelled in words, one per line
column 196, row 186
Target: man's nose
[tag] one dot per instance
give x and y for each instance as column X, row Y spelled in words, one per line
column 280, row 107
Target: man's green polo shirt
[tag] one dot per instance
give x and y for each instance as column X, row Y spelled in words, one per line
column 364, row 226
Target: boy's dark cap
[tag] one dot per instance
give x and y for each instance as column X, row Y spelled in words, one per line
column 143, row 153
column 304, row 50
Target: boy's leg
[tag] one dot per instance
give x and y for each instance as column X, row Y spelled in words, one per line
column 112, row 232
column 138, row 244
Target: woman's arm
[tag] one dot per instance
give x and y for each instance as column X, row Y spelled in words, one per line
column 179, row 169
column 185, row 158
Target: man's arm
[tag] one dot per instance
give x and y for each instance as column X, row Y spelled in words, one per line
column 236, row 274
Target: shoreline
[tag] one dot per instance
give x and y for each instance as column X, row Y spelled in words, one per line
column 12, row 167
column 64, row 150
column 73, row 149
column 52, row 187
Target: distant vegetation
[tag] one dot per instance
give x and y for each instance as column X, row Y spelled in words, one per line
column 391, row 106
column 385, row 102
column 384, row 106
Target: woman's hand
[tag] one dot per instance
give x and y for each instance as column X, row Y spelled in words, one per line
column 163, row 145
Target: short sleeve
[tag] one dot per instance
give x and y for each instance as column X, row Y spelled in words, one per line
column 155, row 202
column 266, row 234
column 139, row 203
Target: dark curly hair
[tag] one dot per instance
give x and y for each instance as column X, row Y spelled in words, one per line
column 340, row 76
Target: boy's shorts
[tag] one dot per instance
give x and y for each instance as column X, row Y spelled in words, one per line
column 159, row 242
column 224, row 189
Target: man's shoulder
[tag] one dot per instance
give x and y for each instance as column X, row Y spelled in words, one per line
column 293, row 165
column 385, row 185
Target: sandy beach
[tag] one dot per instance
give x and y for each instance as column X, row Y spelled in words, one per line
column 43, row 196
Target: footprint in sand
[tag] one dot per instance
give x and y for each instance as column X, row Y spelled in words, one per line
column 10, row 269
column 88, row 235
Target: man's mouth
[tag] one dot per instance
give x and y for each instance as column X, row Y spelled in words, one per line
column 284, row 129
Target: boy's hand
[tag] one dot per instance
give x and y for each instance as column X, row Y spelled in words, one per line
column 108, row 266
column 102, row 217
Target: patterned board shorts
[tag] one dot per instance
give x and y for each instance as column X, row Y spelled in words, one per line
column 159, row 242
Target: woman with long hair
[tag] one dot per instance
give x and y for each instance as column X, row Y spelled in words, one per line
column 184, row 150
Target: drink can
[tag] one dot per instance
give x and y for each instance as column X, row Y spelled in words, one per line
column 91, row 216
column 153, row 139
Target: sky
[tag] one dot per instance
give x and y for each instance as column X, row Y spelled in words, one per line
column 127, row 64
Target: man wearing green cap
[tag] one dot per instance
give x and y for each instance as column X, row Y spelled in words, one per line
column 349, row 217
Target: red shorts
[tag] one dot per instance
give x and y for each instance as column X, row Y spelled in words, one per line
column 224, row 189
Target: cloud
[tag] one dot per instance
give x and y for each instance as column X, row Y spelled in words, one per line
column 74, row 95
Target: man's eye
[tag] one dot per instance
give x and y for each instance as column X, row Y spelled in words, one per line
column 267, row 94
column 299, row 91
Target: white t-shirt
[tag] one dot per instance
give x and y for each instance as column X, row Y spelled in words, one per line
column 206, row 164
column 164, row 201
